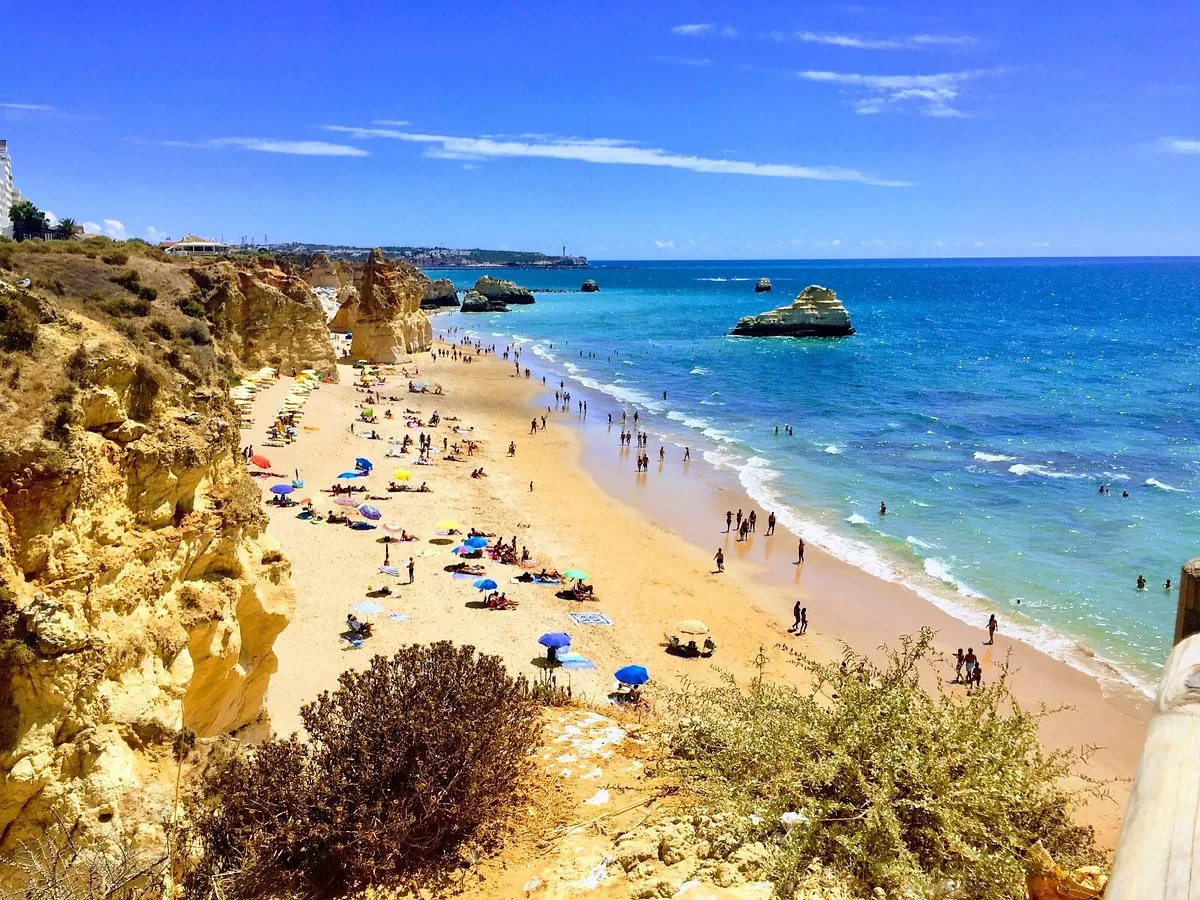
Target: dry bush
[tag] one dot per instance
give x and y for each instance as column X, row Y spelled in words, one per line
column 890, row 785
column 18, row 326
column 408, row 766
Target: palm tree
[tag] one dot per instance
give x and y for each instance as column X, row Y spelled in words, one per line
column 67, row 227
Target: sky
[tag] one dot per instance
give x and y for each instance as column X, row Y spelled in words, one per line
column 705, row 130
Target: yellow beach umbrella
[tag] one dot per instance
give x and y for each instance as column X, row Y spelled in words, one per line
column 448, row 524
column 402, row 475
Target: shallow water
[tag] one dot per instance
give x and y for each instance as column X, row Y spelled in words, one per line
column 984, row 400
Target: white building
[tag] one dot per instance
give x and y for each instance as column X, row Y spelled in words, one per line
column 7, row 191
column 196, row 246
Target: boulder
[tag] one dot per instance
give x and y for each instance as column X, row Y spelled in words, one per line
column 504, row 291
column 438, row 294
column 763, row 286
column 590, row 287
column 473, row 301
column 390, row 325
column 816, row 312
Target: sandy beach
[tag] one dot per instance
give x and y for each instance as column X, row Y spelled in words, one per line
column 571, row 495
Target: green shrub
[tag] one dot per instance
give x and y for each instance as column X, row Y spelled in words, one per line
column 162, row 329
column 147, row 293
column 116, row 258
column 18, row 326
column 77, row 366
column 129, row 279
column 191, row 306
column 196, row 332
column 407, row 766
column 58, row 427
column 895, row 787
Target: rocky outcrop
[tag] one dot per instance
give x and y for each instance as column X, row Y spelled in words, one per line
column 139, row 595
column 320, row 272
column 590, row 287
column 816, row 312
column 268, row 318
column 505, row 291
column 389, row 324
column 347, row 311
column 438, row 294
column 763, row 286
column 473, row 301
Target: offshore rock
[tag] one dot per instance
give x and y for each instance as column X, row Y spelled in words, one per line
column 439, row 294
column 816, row 312
column 390, row 325
column 473, row 301
column 763, row 286
column 504, row 291
column 590, row 287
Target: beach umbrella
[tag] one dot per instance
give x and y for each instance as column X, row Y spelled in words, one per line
column 486, row 584
column 345, row 501
column 387, row 539
column 575, row 574
column 402, row 475
column 691, row 626
column 367, row 607
column 392, row 526
column 476, row 543
column 281, row 489
column 634, row 675
column 368, row 412
column 363, row 463
column 350, row 475
column 261, row 461
column 370, row 512
column 447, row 524
column 556, row 639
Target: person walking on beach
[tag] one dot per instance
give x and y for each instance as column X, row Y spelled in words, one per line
column 739, row 520
column 412, row 571
column 797, row 611
column 728, row 520
column 753, row 519
column 720, row 558
column 800, row 552
column 976, row 679
column 662, row 453
column 970, row 661
column 771, row 524
column 958, row 664
column 991, row 628
column 533, row 426
column 803, row 620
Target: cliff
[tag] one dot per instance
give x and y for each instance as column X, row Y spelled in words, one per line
column 347, row 311
column 267, row 318
column 504, row 291
column 389, row 324
column 816, row 312
column 139, row 595
column 439, row 293
column 320, row 272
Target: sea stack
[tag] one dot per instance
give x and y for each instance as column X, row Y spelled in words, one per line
column 438, row 294
column 473, row 301
column 590, row 287
column 504, row 291
column 389, row 324
column 816, row 312
column 763, row 286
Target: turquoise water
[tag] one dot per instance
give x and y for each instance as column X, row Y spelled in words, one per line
column 985, row 401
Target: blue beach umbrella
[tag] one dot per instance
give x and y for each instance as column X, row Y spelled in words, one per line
column 363, row 463
column 367, row 607
column 349, row 475
column 632, row 675
column 476, row 543
column 282, row 488
column 486, row 584
column 370, row 512
column 556, row 639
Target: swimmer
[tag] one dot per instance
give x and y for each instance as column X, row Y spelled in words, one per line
column 1141, row 582
column 882, row 508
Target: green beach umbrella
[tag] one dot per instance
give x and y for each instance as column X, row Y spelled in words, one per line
column 575, row 574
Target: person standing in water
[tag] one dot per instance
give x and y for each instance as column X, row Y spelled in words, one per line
column 1141, row 582
column 800, row 553
column 991, row 628
column 882, row 508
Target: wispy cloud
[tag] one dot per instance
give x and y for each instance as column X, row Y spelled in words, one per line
column 394, row 123
column 1181, row 145
column 17, row 112
column 665, row 245
column 606, row 151
column 27, row 107
column 705, row 29
column 698, row 62
column 154, row 235
column 934, row 92
column 860, row 42
column 270, row 145
column 114, row 228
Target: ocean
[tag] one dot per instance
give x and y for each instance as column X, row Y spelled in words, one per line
column 985, row 401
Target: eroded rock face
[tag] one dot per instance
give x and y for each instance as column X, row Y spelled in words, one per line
column 763, row 286
column 389, row 324
column 816, row 312
column 590, row 287
column 269, row 318
column 505, row 291
column 438, row 294
column 473, row 301
column 347, row 311
column 320, row 272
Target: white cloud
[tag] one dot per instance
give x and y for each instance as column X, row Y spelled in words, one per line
column 849, row 40
column 684, row 60
column 27, row 107
column 608, row 151
column 1181, row 145
column 693, row 30
column 51, row 218
column 394, row 123
column 935, row 92
column 269, row 145
column 115, row 229
column 153, row 235
column 859, row 42
column 91, row 228
column 665, row 245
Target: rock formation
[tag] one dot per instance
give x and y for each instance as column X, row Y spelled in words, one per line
column 390, row 325
column 590, row 287
column 763, row 286
column 504, row 291
column 347, row 311
column 473, row 301
column 139, row 595
column 438, row 294
column 320, row 272
column 816, row 312
column 269, row 318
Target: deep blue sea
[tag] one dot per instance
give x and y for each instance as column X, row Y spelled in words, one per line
column 985, row 401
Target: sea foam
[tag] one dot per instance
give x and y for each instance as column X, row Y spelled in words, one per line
column 993, row 457
column 1154, row 482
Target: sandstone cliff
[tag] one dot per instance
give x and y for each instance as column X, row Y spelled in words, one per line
column 347, row 311
column 504, row 291
column 389, row 324
column 139, row 595
column 438, row 294
column 267, row 318
column 816, row 312
column 320, row 272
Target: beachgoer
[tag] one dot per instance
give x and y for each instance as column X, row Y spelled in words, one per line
column 411, row 570
column 1167, row 586
column 976, row 677
column 738, row 517
column 991, row 628
column 771, row 524
column 728, row 520
column 882, row 508
column 970, row 661
column 958, row 664
column 687, row 453
column 753, row 520
column 720, row 558
column 796, row 615
column 1141, row 582
column 800, row 552
column 803, row 620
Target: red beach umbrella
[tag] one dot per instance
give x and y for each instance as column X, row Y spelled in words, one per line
column 261, row 461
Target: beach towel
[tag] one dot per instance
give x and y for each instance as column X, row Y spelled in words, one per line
column 589, row 618
column 398, row 617
column 572, row 660
column 390, row 570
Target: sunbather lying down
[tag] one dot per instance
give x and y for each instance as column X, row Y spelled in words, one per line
column 496, row 600
column 465, row 569
column 542, row 577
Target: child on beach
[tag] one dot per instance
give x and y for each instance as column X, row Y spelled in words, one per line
column 720, row 558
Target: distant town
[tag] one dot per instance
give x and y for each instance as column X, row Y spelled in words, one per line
column 444, row 257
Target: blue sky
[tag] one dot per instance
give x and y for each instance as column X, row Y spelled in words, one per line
column 623, row 130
